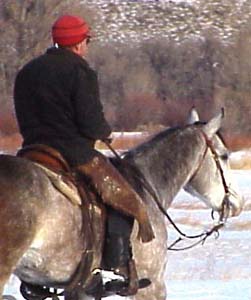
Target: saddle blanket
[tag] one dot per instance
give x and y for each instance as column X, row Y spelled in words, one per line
column 67, row 189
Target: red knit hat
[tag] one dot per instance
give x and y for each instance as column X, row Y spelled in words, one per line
column 69, row 30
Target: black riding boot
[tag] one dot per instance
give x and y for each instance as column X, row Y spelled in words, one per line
column 117, row 248
column 118, row 258
column 117, row 254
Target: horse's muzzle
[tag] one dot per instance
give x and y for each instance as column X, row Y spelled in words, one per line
column 236, row 205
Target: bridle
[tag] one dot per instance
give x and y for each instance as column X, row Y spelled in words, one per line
column 226, row 205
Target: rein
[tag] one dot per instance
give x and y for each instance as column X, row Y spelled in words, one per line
column 225, row 204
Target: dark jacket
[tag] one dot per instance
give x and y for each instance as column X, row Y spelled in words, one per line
column 57, row 103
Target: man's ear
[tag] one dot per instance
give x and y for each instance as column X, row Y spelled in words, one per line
column 76, row 48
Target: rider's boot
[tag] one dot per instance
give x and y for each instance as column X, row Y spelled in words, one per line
column 118, row 258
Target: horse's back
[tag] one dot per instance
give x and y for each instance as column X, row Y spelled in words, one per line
column 16, row 171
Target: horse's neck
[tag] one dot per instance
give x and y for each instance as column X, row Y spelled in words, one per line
column 168, row 163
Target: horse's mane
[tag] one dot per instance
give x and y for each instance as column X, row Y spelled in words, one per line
column 151, row 141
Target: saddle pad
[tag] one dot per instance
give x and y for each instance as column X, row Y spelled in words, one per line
column 67, row 189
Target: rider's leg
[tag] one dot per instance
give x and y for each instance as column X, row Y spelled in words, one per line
column 117, row 193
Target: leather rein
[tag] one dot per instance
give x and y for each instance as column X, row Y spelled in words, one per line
column 201, row 238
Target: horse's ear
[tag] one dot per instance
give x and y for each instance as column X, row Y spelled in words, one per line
column 193, row 116
column 213, row 125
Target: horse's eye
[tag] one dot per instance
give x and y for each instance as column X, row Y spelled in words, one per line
column 224, row 156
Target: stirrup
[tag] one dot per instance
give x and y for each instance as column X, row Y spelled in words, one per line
column 113, row 283
column 35, row 292
column 120, row 287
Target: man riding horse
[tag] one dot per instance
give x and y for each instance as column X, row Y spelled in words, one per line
column 57, row 104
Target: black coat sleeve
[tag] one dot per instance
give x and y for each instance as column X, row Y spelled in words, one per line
column 88, row 108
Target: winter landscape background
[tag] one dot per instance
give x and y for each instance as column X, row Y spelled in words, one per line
column 155, row 60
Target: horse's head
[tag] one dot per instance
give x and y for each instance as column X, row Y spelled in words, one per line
column 212, row 181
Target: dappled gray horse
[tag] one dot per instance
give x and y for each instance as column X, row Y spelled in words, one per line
column 40, row 228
